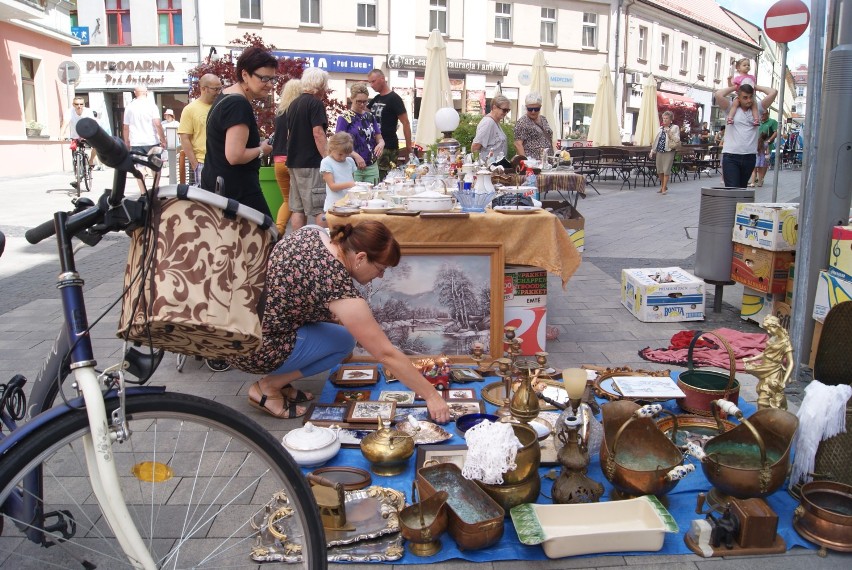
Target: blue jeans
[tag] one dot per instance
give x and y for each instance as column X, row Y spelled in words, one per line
column 737, row 169
column 319, row 346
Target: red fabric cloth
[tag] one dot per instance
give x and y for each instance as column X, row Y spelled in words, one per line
column 743, row 345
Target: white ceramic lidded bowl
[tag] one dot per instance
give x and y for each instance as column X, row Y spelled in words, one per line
column 429, row 201
column 312, row 445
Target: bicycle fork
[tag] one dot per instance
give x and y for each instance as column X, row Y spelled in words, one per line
column 100, row 460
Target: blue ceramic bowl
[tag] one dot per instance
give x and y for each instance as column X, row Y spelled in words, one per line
column 467, row 421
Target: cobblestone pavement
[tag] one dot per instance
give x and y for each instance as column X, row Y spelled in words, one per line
column 624, row 228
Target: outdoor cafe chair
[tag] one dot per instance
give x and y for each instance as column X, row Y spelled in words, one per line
column 585, row 163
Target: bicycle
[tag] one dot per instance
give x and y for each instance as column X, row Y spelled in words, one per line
column 82, row 168
column 116, row 475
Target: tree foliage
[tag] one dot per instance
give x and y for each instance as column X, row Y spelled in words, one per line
column 264, row 109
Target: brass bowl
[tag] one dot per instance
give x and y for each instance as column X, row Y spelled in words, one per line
column 528, row 459
column 511, row 495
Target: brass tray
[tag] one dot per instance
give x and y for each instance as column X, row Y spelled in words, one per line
column 494, row 393
column 373, row 511
column 604, row 387
column 352, row 478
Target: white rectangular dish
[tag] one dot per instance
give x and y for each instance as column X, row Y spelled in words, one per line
column 618, row 526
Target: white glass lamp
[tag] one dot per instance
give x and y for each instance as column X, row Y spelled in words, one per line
column 574, row 380
column 446, row 120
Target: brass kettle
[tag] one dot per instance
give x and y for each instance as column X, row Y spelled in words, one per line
column 387, row 449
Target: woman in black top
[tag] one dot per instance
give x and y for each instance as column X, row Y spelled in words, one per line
column 234, row 148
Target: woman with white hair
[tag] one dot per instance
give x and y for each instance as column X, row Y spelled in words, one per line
column 489, row 134
column 665, row 146
column 532, row 133
column 307, row 122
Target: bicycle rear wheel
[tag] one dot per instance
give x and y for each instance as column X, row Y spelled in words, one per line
column 196, row 476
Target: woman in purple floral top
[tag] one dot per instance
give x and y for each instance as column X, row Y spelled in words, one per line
column 314, row 315
column 366, row 133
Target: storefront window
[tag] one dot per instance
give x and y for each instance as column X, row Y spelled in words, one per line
column 170, row 20
column 118, row 22
column 582, row 120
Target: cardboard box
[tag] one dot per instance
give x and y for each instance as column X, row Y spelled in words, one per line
column 769, row 226
column 791, row 279
column 830, row 291
column 784, row 313
column 524, row 286
column 840, row 256
column 572, row 220
column 761, row 269
column 667, row 294
column 530, row 326
column 756, row 304
column 815, row 343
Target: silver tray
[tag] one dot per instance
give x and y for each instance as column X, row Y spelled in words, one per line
column 373, row 511
column 427, row 434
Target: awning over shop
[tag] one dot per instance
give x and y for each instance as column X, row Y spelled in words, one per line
column 665, row 99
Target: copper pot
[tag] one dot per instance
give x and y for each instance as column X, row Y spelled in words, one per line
column 701, row 387
column 636, row 457
column 825, row 514
column 751, row 460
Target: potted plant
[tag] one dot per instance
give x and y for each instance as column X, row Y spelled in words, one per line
column 34, row 128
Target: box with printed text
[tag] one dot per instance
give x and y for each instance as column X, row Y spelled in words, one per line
column 761, row 269
column 830, row 291
column 667, row 294
column 571, row 219
column 840, row 256
column 772, row 226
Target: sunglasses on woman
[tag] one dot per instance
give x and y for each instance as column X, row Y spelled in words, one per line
column 533, row 109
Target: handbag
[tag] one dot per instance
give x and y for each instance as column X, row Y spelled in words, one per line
column 195, row 275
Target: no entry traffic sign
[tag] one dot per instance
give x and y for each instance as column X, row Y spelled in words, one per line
column 786, row 20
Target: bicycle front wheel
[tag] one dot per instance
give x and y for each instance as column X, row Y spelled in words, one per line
column 79, row 171
column 197, row 478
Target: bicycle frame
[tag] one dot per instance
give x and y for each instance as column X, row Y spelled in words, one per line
column 75, row 338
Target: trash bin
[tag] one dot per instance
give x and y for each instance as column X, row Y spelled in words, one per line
column 714, row 249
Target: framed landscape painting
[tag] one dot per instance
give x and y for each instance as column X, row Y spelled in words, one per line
column 441, row 299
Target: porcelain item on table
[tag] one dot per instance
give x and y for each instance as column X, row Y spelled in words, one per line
column 311, row 445
column 377, row 203
column 483, row 182
column 617, row 526
column 517, row 209
column 429, row 201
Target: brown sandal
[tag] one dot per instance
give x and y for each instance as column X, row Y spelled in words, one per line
column 290, row 410
column 300, row 397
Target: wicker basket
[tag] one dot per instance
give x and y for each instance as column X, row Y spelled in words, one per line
column 833, row 459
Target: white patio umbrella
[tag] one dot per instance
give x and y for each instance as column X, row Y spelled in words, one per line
column 540, row 83
column 648, row 124
column 604, row 128
column 436, row 90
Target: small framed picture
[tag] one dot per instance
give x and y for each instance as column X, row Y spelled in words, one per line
column 420, row 413
column 326, row 414
column 353, row 375
column 370, row 411
column 459, row 394
column 465, row 375
column 431, row 454
column 346, row 396
column 398, row 396
column 459, row 408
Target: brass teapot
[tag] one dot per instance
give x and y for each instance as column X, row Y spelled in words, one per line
column 387, row 449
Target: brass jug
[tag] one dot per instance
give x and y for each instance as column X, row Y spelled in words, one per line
column 524, row 405
column 387, row 449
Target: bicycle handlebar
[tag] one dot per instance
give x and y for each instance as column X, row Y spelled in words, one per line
column 111, row 150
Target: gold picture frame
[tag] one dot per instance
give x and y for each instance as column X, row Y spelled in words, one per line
column 421, row 289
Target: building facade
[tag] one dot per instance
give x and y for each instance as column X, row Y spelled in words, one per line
column 689, row 46
column 36, row 39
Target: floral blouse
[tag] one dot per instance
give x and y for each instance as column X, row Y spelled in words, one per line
column 302, row 278
column 534, row 137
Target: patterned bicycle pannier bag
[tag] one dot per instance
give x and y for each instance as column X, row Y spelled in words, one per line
column 206, row 267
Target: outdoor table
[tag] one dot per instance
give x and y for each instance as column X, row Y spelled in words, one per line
column 680, row 502
column 536, row 239
column 569, row 185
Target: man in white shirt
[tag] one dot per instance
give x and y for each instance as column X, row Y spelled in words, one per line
column 142, row 127
column 78, row 111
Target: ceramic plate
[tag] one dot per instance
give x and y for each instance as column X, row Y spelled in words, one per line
column 517, row 209
column 367, row 210
column 344, row 211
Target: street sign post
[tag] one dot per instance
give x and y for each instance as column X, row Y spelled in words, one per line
column 69, row 72
column 786, row 20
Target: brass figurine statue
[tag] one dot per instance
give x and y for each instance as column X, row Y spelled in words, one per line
column 773, row 368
